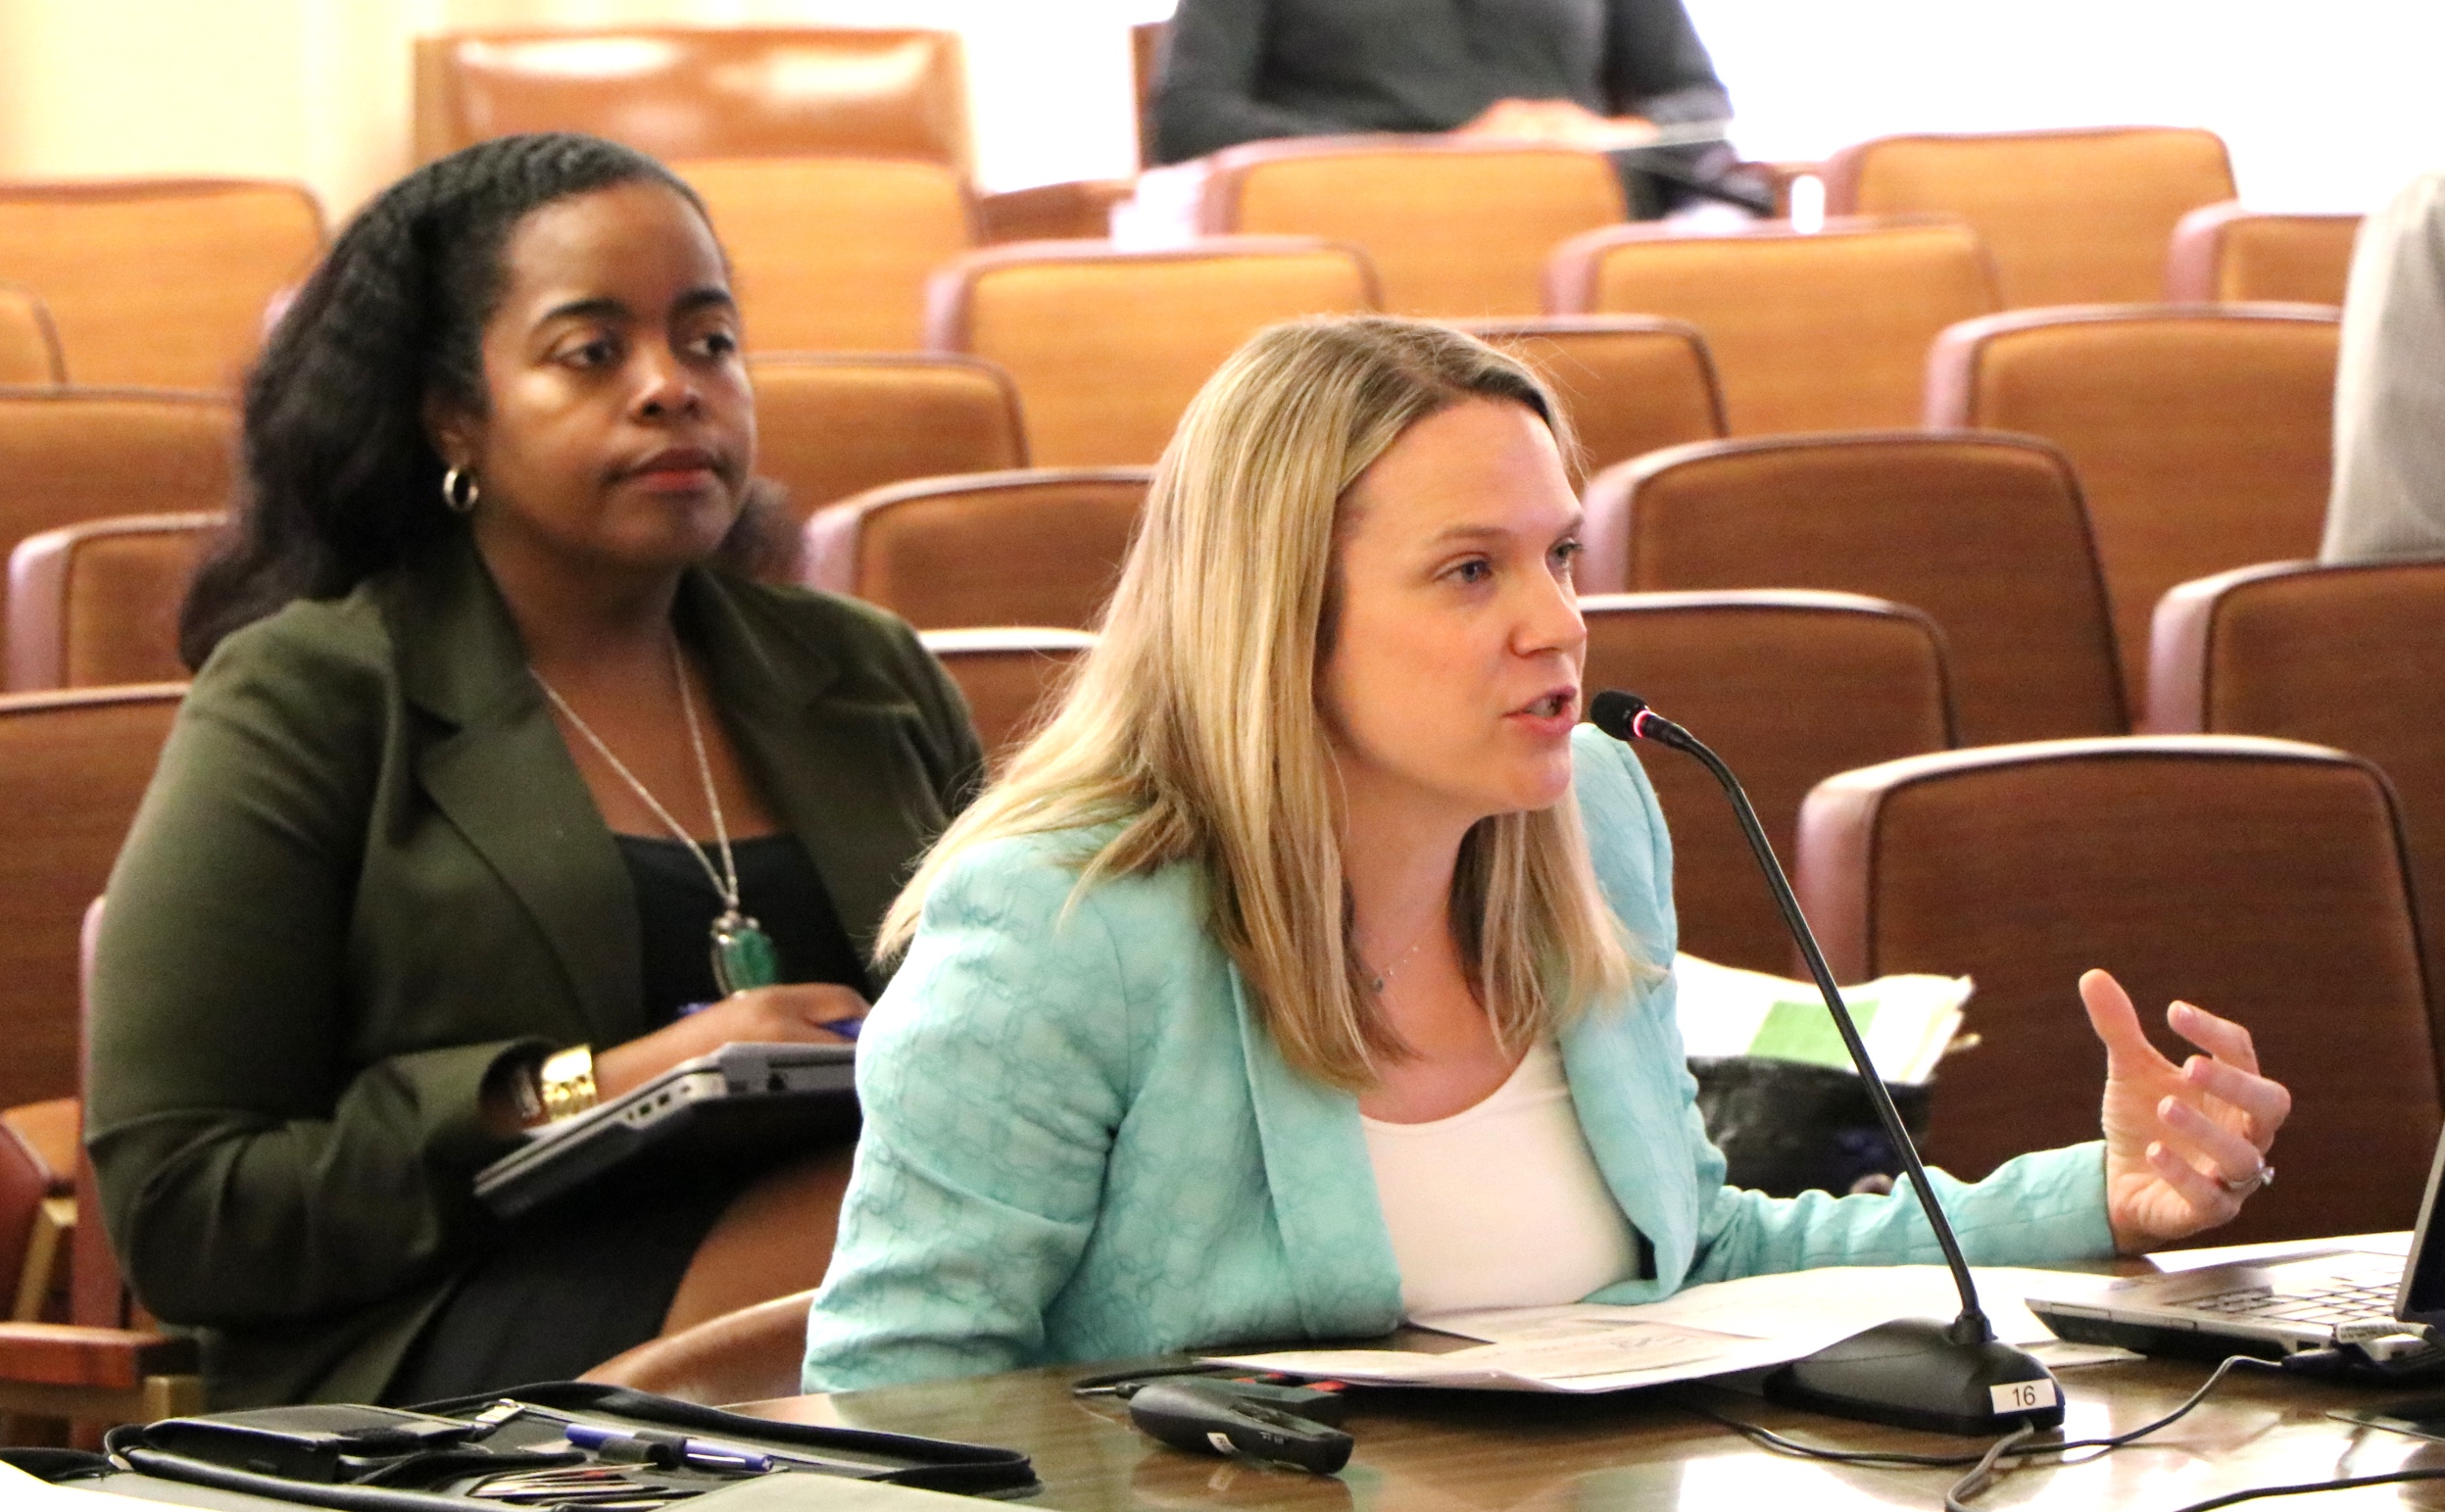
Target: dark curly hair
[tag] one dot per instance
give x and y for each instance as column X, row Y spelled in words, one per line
column 340, row 479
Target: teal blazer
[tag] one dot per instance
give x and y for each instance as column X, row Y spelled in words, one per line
column 1079, row 1144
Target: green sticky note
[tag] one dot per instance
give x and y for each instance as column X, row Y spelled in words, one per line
column 1804, row 1031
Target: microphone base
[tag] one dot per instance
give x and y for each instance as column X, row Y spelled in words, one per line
column 1911, row 1373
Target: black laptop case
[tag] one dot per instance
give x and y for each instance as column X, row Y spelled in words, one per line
column 473, row 1453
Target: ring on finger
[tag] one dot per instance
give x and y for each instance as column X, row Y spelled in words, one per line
column 2264, row 1176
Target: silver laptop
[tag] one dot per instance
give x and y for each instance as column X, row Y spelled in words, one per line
column 2314, row 1299
column 744, row 1100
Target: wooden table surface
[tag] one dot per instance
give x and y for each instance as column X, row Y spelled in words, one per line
column 1452, row 1451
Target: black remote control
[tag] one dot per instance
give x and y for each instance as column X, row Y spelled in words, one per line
column 1210, row 1417
column 1313, row 1403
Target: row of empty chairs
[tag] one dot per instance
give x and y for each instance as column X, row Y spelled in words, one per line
column 829, row 426
column 836, row 252
column 686, row 93
column 1802, row 332
column 1833, row 331
column 2185, row 441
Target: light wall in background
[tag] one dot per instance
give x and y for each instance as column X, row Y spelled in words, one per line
column 2325, row 107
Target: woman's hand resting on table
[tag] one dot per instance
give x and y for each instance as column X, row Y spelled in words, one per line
column 789, row 1013
column 2184, row 1145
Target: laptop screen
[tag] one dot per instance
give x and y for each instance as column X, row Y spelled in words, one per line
column 2423, row 1297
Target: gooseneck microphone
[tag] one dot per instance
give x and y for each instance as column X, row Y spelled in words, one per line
column 1954, row 1378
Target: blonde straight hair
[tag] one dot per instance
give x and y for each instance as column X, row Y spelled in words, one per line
column 1193, row 723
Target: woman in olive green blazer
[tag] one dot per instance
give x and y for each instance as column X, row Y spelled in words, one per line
column 373, row 882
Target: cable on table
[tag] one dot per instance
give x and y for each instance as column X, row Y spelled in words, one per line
column 2016, row 1446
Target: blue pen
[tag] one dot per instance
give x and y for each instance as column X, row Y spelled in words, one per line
column 846, row 1028
column 588, row 1435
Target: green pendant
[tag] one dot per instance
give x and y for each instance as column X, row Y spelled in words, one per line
column 743, row 954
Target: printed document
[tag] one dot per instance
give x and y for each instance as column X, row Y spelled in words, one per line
column 1710, row 1329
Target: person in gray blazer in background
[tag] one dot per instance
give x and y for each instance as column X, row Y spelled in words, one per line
column 2388, row 498
column 1575, row 72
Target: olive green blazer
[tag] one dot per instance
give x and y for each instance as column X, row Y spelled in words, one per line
column 366, row 869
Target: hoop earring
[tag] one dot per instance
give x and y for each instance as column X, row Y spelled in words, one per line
column 456, row 500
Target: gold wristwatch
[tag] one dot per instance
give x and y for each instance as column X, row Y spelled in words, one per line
column 565, row 1083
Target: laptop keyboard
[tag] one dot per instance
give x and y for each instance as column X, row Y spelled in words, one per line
column 2337, row 1304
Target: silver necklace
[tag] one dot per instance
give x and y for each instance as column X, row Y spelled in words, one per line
column 1384, row 973
column 743, row 954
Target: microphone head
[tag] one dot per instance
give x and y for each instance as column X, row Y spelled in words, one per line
column 1616, row 713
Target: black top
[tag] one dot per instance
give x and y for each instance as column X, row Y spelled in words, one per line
column 778, row 888
column 1243, row 71
column 580, row 1279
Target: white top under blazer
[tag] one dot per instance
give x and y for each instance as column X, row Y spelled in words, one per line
column 1501, row 1205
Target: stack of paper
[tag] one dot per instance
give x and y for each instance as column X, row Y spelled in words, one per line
column 1907, row 1021
column 1701, row 1330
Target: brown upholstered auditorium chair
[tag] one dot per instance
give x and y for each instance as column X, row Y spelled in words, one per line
column 702, row 92
column 2348, row 656
column 1108, row 345
column 829, row 426
column 2078, row 216
column 1010, row 676
column 2224, row 253
column 684, row 93
column 2261, row 879
column 98, row 1375
column 79, row 454
column 832, row 254
column 39, row 1153
column 1457, row 229
column 1629, row 384
column 28, row 1244
column 30, row 349
column 1809, row 331
column 105, row 1364
column 92, row 1375
column 2203, row 435
column 96, row 603
column 73, row 766
column 1029, row 547
column 1788, row 687
column 160, row 282
column 1985, row 533
column 753, row 1354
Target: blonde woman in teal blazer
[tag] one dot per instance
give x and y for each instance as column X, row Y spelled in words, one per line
column 1313, row 839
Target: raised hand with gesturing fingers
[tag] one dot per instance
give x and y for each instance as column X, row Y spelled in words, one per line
column 2185, row 1145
